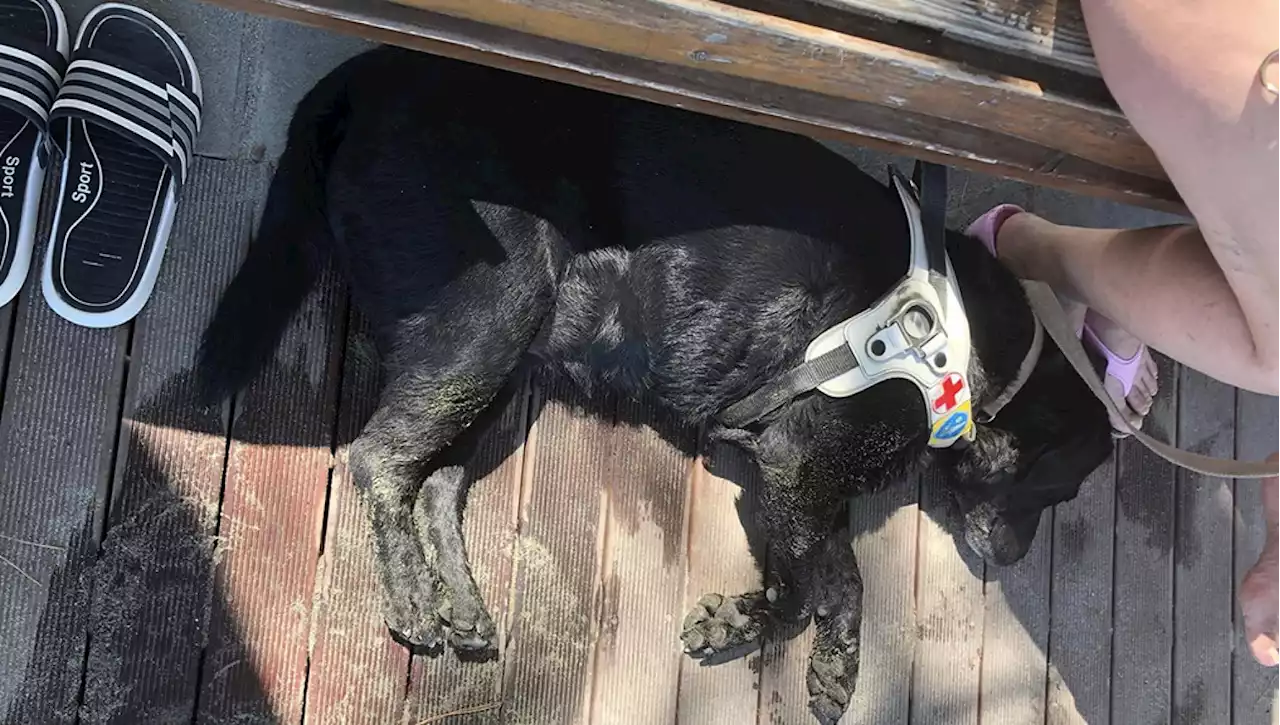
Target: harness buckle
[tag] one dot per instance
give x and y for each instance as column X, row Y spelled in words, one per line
column 914, row 330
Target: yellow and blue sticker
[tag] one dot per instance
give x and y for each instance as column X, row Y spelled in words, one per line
column 955, row 424
column 950, row 411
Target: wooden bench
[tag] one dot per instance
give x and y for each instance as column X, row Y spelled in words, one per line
column 1006, row 87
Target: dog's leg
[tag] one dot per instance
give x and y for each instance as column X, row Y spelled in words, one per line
column 822, row 582
column 837, row 616
column 720, row 627
column 459, row 606
column 420, row 413
column 438, row 517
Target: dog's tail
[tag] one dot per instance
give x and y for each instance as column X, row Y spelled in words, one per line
column 286, row 256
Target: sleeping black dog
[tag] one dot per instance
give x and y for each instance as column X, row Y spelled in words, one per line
column 488, row 223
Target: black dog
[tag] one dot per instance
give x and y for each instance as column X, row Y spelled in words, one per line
column 486, row 221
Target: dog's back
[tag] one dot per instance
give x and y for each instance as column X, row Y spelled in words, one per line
column 441, row 188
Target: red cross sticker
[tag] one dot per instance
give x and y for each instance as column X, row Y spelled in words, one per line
column 950, row 396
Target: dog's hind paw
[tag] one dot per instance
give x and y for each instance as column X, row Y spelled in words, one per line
column 408, row 608
column 420, row 634
column 719, row 624
column 469, row 626
column 833, row 668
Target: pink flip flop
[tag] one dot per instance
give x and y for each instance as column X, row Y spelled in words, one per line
column 1124, row 370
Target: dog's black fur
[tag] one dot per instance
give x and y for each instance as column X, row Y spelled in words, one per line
column 487, row 221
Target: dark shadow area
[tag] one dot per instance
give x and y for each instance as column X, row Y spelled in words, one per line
column 146, row 598
column 54, row 669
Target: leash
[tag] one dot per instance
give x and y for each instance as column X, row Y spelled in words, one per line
column 1054, row 319
column 928, row 240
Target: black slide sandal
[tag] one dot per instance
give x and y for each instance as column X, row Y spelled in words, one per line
column 126, row 119
column 33, row 56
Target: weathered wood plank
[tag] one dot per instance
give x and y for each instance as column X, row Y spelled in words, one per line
column 1016, row 635
column 1080, row 632
column 784, row 665
column 549, row 660
column 1202, row 575
column 445, row 684
column 1016, row 603
column 1253, row 686
column 153, row 581
column 720, row 562
column 57, row 433
column 278, row 469
column 638, row 653
column 1143, row 610
column 357, row 672
column 949, row 620
column 687, row 74
column 759, row 47
column 1085, row 553
column 886, row 529
column 1051, row 32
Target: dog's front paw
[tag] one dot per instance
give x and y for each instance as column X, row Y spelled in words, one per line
column 470, row 628
column 833, row 666
column 719, row 624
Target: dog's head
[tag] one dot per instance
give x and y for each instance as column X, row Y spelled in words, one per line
column 1036, row 453
column 1043, row 444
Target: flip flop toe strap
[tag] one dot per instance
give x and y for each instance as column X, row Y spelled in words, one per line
column 159, row 116
column 1123, row 370
column 29, row 77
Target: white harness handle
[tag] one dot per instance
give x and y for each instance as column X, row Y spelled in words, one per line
column 917, row 331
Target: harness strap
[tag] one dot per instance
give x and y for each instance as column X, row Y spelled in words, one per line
column 991, row 409
column 801, row 379
column 931, row 185
column 930, row 193
column 1045, row 304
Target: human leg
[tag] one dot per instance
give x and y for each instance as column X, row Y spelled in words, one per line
column 1205, row 295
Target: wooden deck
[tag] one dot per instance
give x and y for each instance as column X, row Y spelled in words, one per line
column 1005, row 87
column 160, row 563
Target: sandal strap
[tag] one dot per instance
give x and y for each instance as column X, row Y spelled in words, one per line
column 158, row 115
column 30, row 73
column 1125, row 371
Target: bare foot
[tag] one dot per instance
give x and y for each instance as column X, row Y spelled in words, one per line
column 1137, row 403
column 1260, row 603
